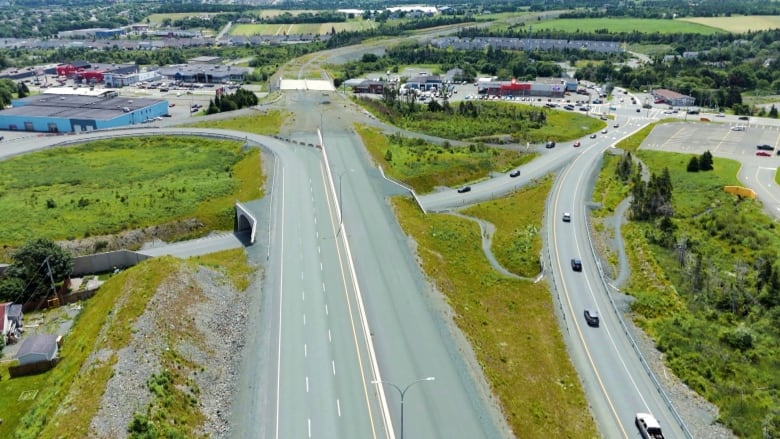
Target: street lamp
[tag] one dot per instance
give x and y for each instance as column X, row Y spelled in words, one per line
column 403, row 393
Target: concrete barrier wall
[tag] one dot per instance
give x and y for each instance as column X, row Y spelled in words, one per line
column 102, row 262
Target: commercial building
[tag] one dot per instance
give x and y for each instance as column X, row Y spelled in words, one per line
column 672, row 98
column 67, row 110
column 204, row 73
column 549, row 87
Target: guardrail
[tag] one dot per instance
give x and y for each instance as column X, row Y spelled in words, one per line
column 645, row 364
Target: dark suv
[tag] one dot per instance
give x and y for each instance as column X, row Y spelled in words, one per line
column 550, row 144
column 592, row 317
column 765, row 147
column 576, row 264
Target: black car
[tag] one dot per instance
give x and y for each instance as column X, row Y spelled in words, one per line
column 592, row 317
column 464, row 189
column 593, row 136
column 550, row 144
column 566, row 217
column 576, row 264
column 515, row 173
column 765, row 147
column 638, row 110
column 744, row 118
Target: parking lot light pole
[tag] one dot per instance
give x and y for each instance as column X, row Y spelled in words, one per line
column 403, row 393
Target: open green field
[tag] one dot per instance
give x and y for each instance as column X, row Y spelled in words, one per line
column 627, row 25
column 738, row 23
column 157, row 19
column 526, row 364
column 486, row 121
column 69, row 395
column 301, row 28
column 424, row 166
column 114, row 185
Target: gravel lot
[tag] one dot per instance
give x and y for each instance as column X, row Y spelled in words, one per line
column 200, row 316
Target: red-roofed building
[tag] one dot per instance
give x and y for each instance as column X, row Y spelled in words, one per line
column 672, row 98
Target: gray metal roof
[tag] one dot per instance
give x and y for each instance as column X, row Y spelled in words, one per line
column 38, row 344
column 86, row 107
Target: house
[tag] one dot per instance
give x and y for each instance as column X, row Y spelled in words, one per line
column 370, row 86
column 425, row 83
column 10, row 321
column 38, row 348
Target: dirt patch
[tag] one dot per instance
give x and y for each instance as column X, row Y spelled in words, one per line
column 134, row 239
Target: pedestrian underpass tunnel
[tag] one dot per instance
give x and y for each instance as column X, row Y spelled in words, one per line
column 245, row 222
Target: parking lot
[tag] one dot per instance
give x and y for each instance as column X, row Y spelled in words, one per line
column 718, row 138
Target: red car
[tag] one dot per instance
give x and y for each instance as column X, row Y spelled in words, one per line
column 577, row 144
column 763, row 154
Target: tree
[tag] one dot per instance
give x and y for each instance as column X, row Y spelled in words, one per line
column 705, row 161
column 37, row 264
column 389, row 156
column 693, row 165
column 773, row 112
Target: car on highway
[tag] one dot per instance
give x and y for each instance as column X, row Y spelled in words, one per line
column 577, row 144
column 720, row 115
column 549, row 144
column 566, row 217
column 638, row 110
column 576, row 264
column 593, row 136
column 515, row 173
column 765, row 147
column 592, row 317
column 763, row 154
column 617, row 125
column 604, row 131
column 464, row 189
column 743, row 118
column 738, row 128
column 648, row 426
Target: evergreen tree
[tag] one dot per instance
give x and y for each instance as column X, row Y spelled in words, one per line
column 693, row 165
column 705, row 162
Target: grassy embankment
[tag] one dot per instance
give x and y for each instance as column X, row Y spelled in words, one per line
column 488, row 121
column 109, row 186
column 266, row 124
column 715, row 324
column 738, row 23
column 527, row 365
column 424, row 166
column 69, row 396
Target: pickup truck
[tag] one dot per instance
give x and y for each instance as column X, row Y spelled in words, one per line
column 648, row 426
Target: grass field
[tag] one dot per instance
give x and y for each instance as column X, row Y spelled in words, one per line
column 105, row 322
column 526, row 364
column 738, row 23
column 627, row 25
column 425, row 166
column 109, row 186
column 303, row 28
column 264, row 123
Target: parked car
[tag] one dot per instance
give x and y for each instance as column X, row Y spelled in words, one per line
column 592, row 317
column 593, row 136
column 464, row 189
column 638, row 110
column 515, row 173
column 720, row 115
column 743, row 118
column 738, row 128
column 576, row 264
column 765, row 147
column 763, row 154
column 567, row 217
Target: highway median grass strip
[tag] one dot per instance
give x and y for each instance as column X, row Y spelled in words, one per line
column 510, row 324
column 265, row 123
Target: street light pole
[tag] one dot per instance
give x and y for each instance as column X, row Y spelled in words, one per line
column 403, row 393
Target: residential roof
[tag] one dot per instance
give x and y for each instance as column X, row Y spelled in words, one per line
column 37, row 344
column 13, row 311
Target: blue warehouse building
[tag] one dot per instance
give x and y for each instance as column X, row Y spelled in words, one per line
column 72, row 113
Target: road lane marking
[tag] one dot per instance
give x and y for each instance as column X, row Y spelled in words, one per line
column 330, row 340
column 326, row 309
column 333, row 366
column 281, row 301
column 309, row 427
column 323, row 287
column 319, row 250
column 303, row 295
column 574, row 315
column 304, row 320
column 336, row 225
column 320, row 266
column 305, row 351
column 338, row 407
column 307, row 384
